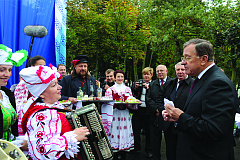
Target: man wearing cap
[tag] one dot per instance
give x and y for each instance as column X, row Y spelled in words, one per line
column 79, row 78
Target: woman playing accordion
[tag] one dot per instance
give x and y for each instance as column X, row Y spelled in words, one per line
column 50, row 136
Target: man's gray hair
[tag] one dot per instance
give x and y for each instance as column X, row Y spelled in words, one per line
column 202, row 47
column 179, row 63
column 162, row 65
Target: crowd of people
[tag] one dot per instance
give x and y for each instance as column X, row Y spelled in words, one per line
column 196, row 116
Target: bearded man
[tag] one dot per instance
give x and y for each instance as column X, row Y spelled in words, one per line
column 79, row 78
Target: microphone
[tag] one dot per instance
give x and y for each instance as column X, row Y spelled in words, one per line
column 35, row 31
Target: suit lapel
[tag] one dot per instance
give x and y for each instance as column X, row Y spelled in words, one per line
column 76, row 82
column 194, row 91
column 200, row 84
column 88, row 85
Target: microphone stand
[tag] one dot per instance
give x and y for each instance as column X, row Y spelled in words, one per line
column 30, row 49
column 34, row 31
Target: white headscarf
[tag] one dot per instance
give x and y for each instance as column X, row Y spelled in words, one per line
column 37, row 79
column 9, row 58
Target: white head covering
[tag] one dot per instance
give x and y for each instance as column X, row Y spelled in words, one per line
column 38, row 78
column 9, row 58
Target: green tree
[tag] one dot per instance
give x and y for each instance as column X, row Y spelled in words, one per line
column 172, row 23
column 227, row 38
column 110, row 34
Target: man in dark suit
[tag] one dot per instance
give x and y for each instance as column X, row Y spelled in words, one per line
column 175, row 90
column 154, row 108
column 205, row 124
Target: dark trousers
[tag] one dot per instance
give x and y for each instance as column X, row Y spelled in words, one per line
column 141, row 120
column 156, row 139
column 171, row 142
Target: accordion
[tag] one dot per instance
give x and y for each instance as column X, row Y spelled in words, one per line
column 97, row 146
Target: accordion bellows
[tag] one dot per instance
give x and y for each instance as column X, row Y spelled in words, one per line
column 97, row 146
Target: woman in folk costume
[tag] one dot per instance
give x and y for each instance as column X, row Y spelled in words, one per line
column 120, row 133
column 8, row 116
column 50, row 136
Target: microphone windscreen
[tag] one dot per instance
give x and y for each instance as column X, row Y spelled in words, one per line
column 35, row 31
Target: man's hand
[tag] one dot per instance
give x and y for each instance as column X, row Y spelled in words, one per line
column 166, row 116
column 157, row 112
column 171, row 113
column 97, row 82
column 136, row 85
column 73, row 100
column 106, row 87
column 146, row 86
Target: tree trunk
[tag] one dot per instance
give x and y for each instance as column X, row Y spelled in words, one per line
column 151, row 57
column 144, row 61
column 234, row 72
column 234, row 67
column 96, row 67
column 135, row 69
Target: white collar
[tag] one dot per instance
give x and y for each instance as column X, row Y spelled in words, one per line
column 164, row 80
column 120, row 87
column 205, row 70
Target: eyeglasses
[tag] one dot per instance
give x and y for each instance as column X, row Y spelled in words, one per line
column 160, row 70
column 187, row 59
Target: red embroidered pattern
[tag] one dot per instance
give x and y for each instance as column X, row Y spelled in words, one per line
column 47, row 80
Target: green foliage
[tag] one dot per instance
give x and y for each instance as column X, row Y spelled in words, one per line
column 227, row 39
column 108, row 34
column 132, row 34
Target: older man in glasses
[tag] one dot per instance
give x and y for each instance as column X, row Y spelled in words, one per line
column 175, row 90
column 205, row 123
column 154, row 109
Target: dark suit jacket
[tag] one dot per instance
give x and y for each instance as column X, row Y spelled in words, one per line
column 153, row 101
column 138, row 92
column 104, row 84
column 70, row 86
column 205, row 130
column 180, row 97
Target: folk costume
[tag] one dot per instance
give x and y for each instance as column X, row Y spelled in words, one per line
column 50, row 136
column 8, row 116
column 120, row 133
column 21, row 95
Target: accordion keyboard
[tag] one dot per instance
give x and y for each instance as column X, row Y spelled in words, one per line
column 97, row 146
column 102, row 142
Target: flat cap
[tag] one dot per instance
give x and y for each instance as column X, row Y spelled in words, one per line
column 80, row 59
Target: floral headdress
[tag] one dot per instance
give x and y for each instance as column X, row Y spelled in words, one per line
column 7, row 57
column 37, row 79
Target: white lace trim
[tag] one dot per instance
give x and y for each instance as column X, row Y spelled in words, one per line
column 72, row 147
column 5, row 102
